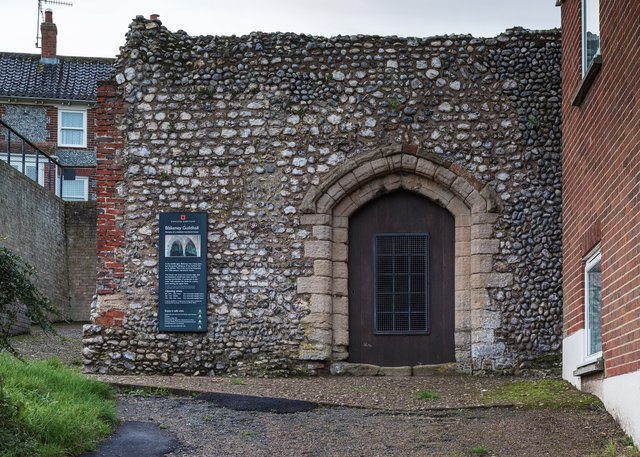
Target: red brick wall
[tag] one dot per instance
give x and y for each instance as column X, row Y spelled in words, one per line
column 52, row 125
column 91, row 128
column 108, row 176
column 601, row 174
column 49, row 33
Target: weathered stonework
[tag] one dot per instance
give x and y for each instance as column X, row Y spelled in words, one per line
column 280, row 138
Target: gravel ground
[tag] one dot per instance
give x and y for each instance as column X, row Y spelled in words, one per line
column 368, row 416
column 205, row 430
column 398, row 394
column 66, row 346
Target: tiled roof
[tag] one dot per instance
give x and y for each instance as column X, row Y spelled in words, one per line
column 72, row 78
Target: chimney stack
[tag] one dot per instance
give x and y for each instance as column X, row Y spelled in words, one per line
column 49, row 33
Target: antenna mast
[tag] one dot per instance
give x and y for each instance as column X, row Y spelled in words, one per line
column 41, row 14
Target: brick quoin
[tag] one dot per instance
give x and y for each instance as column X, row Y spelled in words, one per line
column 110, row 207
column 601, row 178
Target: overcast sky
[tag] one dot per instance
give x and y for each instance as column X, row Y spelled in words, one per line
column 97, row 28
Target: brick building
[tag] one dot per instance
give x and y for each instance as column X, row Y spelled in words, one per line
column 50, row 100
column 601, row 210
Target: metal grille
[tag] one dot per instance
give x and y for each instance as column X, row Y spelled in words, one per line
column 401, row 283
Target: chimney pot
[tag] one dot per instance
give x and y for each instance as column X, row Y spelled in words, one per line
column 49, row 33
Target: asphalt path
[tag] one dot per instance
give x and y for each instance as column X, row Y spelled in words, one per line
column 137, row 439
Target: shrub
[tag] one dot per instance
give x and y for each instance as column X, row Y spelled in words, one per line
column 17, row 287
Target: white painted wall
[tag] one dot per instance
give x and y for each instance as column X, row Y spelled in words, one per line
column 572, row 356
column 620, row 394
column 621, row 397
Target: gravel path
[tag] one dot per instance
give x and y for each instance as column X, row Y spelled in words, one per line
column 398, row 394
column 66, row 346
column 205, row 430
column 370, row 416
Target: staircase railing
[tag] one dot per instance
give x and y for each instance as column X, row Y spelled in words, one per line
column 30, row 160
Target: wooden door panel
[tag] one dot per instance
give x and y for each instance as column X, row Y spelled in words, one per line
column 397, row 213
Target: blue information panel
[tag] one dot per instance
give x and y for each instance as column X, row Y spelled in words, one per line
column 183, row 272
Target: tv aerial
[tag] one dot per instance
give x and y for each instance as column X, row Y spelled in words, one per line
column 42, row 3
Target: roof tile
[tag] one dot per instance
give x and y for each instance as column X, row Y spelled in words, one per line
column 72, row 78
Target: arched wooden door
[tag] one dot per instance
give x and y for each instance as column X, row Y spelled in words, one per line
column 401, row 282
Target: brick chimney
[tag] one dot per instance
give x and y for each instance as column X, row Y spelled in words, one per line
column 49, row 33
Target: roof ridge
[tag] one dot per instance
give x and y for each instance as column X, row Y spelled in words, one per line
column 38, row 56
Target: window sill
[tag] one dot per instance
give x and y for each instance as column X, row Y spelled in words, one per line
column 591, row 367
column 587, row 81
column 72, row 146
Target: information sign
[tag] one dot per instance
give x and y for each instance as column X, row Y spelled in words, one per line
column 183, row 272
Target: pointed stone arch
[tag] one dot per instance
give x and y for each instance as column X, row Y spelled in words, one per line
column 351, row 185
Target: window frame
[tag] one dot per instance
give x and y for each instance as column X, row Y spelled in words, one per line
column 85, row 196
column 593, row 258
column 61, row 111
column 427, row 287
column 585, row 66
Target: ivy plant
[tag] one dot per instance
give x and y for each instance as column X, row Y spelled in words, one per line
column 18, row 293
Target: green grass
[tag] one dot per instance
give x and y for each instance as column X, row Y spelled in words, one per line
column 480, row 450
column 162, row 391
column 426, row 395
column 236, row 382
column 360, row 388
column 147, row 392
column 51, row 409
column 550, row 393
column 619, row 448
column 138, row 393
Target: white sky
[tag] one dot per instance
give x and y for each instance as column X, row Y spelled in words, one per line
column 97, row 28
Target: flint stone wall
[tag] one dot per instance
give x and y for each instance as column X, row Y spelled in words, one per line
column 248, row 128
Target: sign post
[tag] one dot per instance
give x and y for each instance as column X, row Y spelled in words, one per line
column 183, row 272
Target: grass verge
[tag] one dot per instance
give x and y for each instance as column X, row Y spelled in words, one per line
column 549, row 393
column 49, row 410
column 427, row 395
column 618, row 448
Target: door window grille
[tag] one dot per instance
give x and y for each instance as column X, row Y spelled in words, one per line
column 401, row 283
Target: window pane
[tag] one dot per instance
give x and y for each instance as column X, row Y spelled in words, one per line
column 72, row 120
column 30, row 171
column 401, row 287
column 74, row 190
column 591, row 30
column 595, row 308
column 72, row 137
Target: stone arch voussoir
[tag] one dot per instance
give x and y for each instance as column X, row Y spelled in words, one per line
column 326, row 209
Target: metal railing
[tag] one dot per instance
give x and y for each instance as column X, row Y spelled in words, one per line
column 30, row 160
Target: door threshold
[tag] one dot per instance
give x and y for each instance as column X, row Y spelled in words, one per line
column 365, row 369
